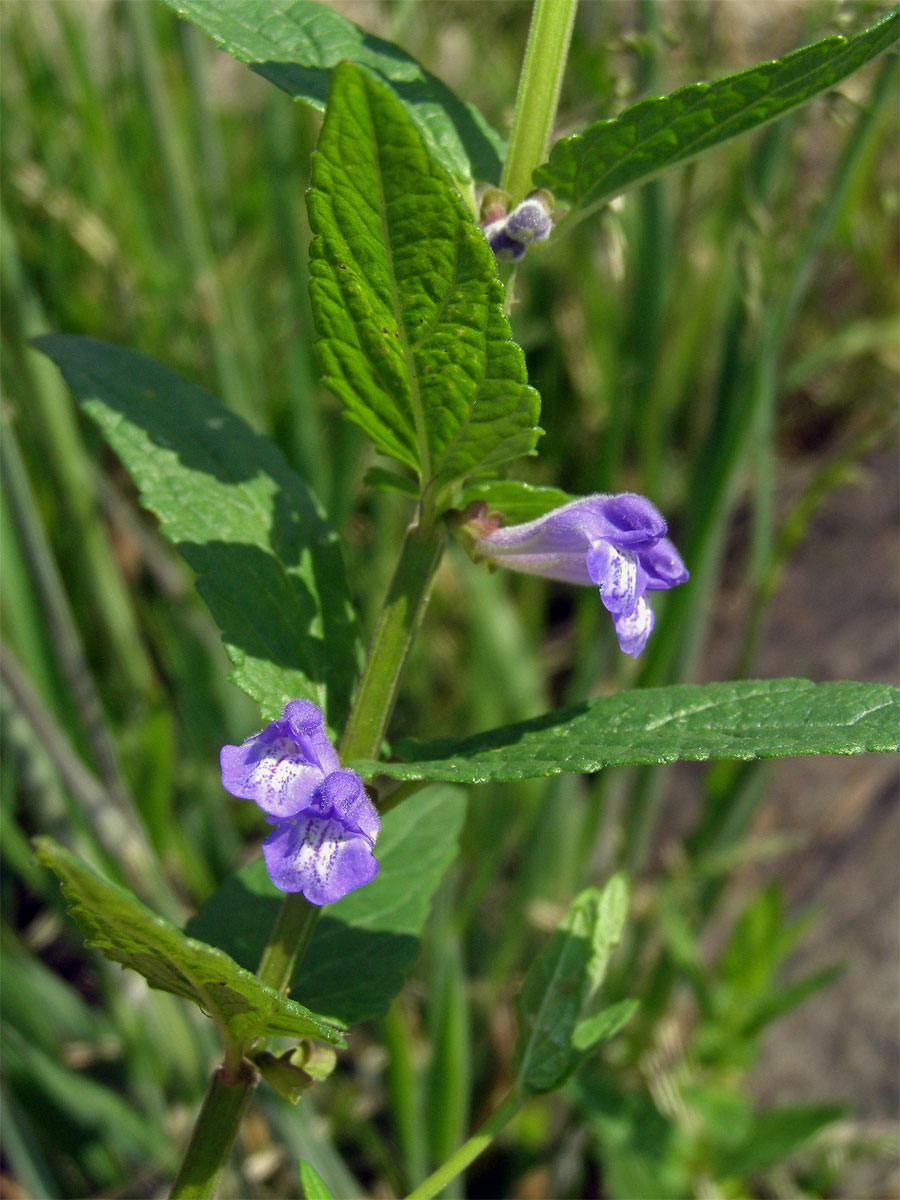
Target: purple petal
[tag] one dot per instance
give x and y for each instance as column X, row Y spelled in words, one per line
column 281, row 766
column 529, row 221
column 346, row 798
column 269, row 769
column 505, row 248
column 633, row 629
column 618, row 575
column 318, row 857
column 663, row 566
column 307, row 727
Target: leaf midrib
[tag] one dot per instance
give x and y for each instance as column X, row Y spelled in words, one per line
column 415, row 394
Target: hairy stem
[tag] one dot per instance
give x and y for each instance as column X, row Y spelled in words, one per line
column 538, row 94
column 214, row 1134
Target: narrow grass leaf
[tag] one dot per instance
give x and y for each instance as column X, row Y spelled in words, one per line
column 268, row 565
column 406, row 297
column 364, row 944
column 296, row 43
column 588, row 168
column 752, row 718
column 557, row 1005
column 314, row 1186
column 116, row 923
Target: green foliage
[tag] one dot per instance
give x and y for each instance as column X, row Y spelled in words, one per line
column 297, row 43
column 365, row 943
column 116, row 923
column 588, row 168
column 164, row 211
column 774, row 1134
column 407, row 302
column 269, row 567
column 557, row 1005
column 762, row 718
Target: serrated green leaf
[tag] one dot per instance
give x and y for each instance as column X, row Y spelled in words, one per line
column 364, row 944
column 516, row 500
column 116, row 923
column 268, row 565
column 314, row 1186
column 296, row 43
column 753, row 718
column 588, row 168
column 406, row 298
column 557, row 1003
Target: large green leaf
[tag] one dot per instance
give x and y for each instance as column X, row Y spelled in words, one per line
column 297, row 43
column 116, row 922
column 364, row 944
column 754, row 718
column 406, row 296
column 586, row 169
column 268, row 565
column 557, row 1009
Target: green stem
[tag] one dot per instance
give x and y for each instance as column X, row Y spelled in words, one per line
column 469, row 1151
column 400, row 617
column 290, row 936
column 538, row 94
column 214, row 1134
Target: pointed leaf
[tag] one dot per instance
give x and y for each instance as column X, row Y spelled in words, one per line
column 268, row 565
column 364, row 944
column 406, row 296
column 296, row 43
column 606, row 1024
column 314, row 1186
column 116, row 922
column 556, row 1008
column 753, row 718
column 590, row 167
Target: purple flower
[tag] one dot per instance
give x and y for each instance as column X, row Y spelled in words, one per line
column 510, row 234
column 504, row 247
column 325, row 824
column 530, row 221
column 617, row 543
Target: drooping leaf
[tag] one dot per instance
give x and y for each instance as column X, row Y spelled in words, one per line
column 516, row 500
column 588, row 168
column 116, row 922
column 268, row 565
column 406, row 298
column 364, row 944
column 752, row 718
column 296, row 43
column 557, row 1008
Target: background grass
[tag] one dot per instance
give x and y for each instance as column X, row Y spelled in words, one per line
column 723, row 340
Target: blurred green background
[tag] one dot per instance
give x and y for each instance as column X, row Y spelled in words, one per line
column 724, row 340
